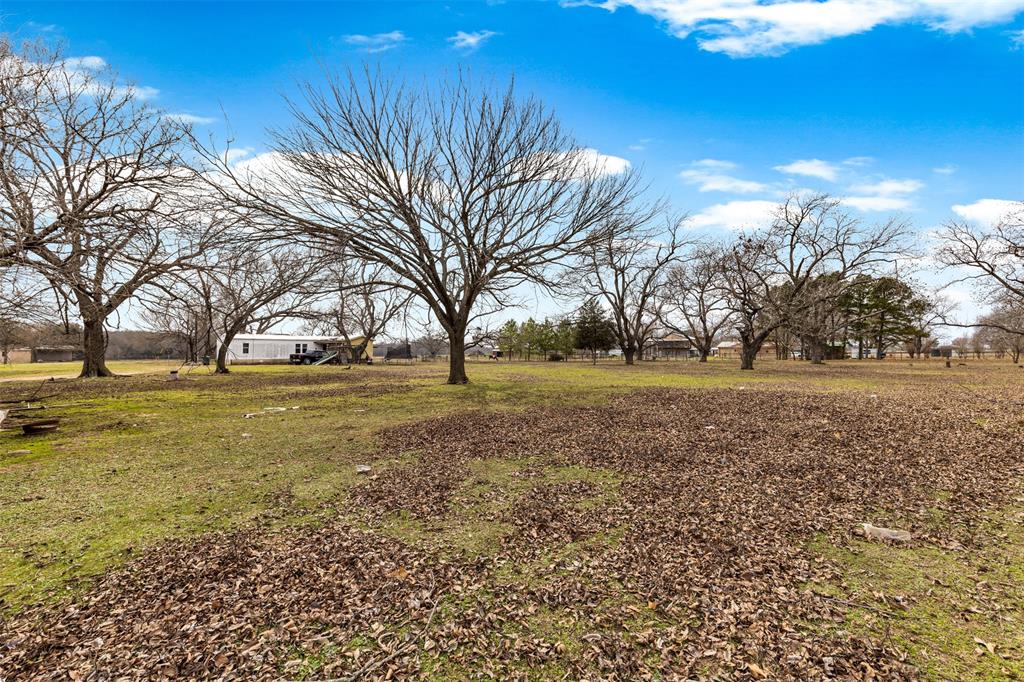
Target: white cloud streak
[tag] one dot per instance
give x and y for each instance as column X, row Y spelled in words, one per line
column 189, row 119
column 986, row 211
column 470, row 41
column 708, row 175
column 748, row 28
column 884, row 195
column 735, row 215
column 869, row 204
column 377, row 42
column 889, row 187
column 815, row 168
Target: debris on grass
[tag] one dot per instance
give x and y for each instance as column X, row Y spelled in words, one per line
column 696, row 567
column 878, row 533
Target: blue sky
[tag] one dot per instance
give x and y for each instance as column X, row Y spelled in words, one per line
column 908, row 107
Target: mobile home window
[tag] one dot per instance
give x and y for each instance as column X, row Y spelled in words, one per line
column 298, row 348
column 245, row 349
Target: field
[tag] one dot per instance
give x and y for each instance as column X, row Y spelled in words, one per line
column 547, row 521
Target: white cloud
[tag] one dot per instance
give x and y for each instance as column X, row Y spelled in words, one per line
column 80, row 73
column 237, row 154
column 736, row 215
column 716, row 164
column 986, row 211
column 190, row 119
column 881, row 203
column 40, row 28
column 858, row 161
column 142, row 92
column 815, row 168
column 885, row 195
column 707, row 173
column 948, row 169
column 747, row 28
column 1017, row 39
column 470, row 41
column 640, row 145
column 603, row 164
column 85, row 63
column 377, row 42
column 889, row 187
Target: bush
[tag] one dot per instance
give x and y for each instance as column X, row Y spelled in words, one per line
column 556, row 357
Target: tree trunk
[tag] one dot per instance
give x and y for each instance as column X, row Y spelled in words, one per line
column 817, row 353
column 629, row 354
column 747, row 355
column 703, row 357
column 457, row 359
column 222, row 359
column 94, row 350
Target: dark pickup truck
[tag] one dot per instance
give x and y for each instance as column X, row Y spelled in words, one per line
column 311, row 356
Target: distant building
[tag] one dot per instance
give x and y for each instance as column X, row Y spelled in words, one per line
column 267, row 349
column 731, row 350
column 672, row 346
column 19, row 356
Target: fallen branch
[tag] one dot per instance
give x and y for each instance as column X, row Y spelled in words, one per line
column 404, row 649
column 857, row 605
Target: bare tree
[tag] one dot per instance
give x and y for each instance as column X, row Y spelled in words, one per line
column 363, row 306
column 433, row 341
column 926, row 312
column 792, row 272
column 696, row 303
column 95, row 194
column 254, row 288
column 994, row 258
column 627, row 267
column 1003, row 330
column 183, row 310
column 460, row 194
column 26, row 300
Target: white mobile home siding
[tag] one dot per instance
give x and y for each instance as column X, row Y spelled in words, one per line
column 275, row 348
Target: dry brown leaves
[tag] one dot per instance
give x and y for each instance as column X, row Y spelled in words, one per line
column 697, row 568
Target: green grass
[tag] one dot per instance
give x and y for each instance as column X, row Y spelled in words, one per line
column 958, row 613
column 44, row 370
column 473, row 523
column 138, row 459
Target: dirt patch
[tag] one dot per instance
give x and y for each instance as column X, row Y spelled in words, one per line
column 697, row 566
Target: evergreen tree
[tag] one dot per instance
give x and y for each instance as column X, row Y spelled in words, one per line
column 594, row 330
column 510, row 339
column 880, row 310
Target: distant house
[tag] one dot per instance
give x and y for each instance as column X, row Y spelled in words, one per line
column 18, row 356
column 267, row 349
column 731, row 350
column 672, row 346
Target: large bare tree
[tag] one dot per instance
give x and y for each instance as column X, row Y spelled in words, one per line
column 626, row 268
column 95, row 194
column 793, row 272
column 460, row 193
column 695, row 299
